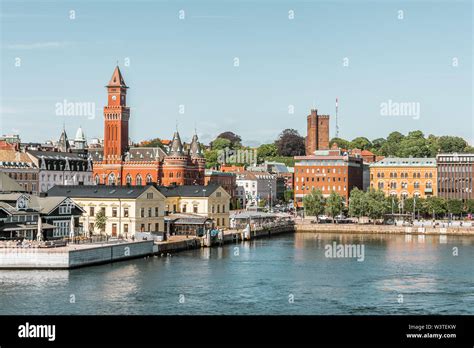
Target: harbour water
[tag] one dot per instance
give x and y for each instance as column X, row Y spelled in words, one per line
column 288, row 274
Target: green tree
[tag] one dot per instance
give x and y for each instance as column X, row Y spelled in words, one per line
column 313, row 203
column 234, row 139
column 287, row 195
column 334, row 204
column 361, row 143
column 376, row 204
column 357, row 203
column 414, row 144
column 454, row 206
column 100, row 220
column 435, row 206
column 392, row 145
column 342, row 143
column 262, row 203
column 451, row 144
column 211, row 158
column 156, row 142
column 221, row 144
column 469, row 206
column 265, row 151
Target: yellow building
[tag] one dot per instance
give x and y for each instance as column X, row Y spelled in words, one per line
column 210, row 201
column 128, row 209
column 405, row 177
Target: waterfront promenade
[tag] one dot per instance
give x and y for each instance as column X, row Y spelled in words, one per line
column 305, row 226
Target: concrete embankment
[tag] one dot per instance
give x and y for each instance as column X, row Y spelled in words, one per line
column 381, row 229
column 72, row 256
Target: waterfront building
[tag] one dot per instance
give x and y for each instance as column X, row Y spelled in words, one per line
column 455, row 175
column 225, row 179
column 117, row 163
column 405, row 177
column 327, row 170
column 128, row 209
column 211, row 201
column 20, row 214
column 188, row 224
column 21, row 168
column 255, row 186
column 317, row 137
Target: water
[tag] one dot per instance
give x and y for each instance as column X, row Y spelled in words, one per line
column 262, row 279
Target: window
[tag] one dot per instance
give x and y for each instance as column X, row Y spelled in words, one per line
column 149, row 227
column 183, row 209
column 149, row 195
column 125, row 228
column 148, row 178
column 195, row 209
column 65, row 209
column 156, row 212
column 91, row 211
column 416, row 185
column 114, row 211
column 138, row 181
column 212, row 209
column 157, row 227
column 218, row 209
column 102, row 210
column 149, row 212
column 142, row 212
column 128, row 179
column 380, row 185
column 218, row 194
column 223, row 208
column 125, row 212
column 142, row 227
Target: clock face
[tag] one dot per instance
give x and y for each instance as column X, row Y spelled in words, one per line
column 114, row 97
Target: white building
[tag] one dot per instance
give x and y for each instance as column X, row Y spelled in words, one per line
column 255, row 186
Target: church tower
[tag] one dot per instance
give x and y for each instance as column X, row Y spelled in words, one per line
column 116, row 116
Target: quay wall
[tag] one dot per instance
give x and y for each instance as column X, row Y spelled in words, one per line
column 381, row 229
column 65, row 258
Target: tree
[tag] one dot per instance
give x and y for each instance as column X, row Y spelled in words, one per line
column 376, row 204
column 262, row 203
column 435, row 206
column 414, row 144
column 156, row 142
column 391, row 146
column 100, row 220
column 357, row 203
column 334, row 204
column 451, row 144
column 234, row 139
column 211, row 158
column 454, row 206
column 221, row 144
column 290, row 143
column 341, row 143
column 469, row 206
column 266, row 150
column 287, row 195
column 313, row 203
column 360, row 143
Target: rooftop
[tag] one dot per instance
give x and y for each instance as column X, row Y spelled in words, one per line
column 403, row 162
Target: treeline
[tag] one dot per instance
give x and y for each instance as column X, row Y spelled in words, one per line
column 375, row 205
column 413, row 144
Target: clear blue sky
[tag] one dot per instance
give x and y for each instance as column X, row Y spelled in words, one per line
column 282, row 62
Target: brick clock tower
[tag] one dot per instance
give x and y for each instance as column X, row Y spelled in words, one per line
column 317, row 132
column 116, row 116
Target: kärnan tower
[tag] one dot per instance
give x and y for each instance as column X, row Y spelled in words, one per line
column 317, row 137
column 118, row 164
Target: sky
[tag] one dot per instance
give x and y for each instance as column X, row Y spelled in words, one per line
column 251, row 67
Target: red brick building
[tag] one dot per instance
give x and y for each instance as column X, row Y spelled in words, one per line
column 317, row 137
column 118, row 164
column 328, row 171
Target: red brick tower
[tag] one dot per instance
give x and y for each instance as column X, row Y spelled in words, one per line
column 175, row 164
column 317, row 132
column 116, row 115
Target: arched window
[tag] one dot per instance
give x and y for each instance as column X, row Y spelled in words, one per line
column 171, row 174
column 138, row 180
column 111, row 180
column 128, row 179
column 96, row 179
column 148, row 178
